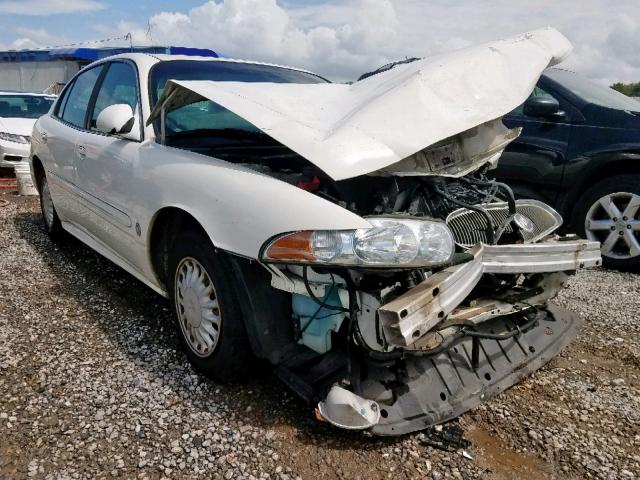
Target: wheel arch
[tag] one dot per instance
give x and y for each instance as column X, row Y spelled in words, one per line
column 38, row 172
column 264, row 310
column 604, row 167
column 164, row 227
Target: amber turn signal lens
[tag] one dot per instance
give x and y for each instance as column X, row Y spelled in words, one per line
column 296, row 246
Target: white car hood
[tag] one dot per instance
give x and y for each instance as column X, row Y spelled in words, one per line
column 352, row 130
column 17, row 126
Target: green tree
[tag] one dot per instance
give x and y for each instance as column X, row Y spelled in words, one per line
column 630, row 89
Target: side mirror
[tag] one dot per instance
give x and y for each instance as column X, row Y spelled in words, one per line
column 116, row 119
column 541, row 106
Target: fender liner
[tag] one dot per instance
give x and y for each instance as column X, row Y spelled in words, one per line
column 265, row 310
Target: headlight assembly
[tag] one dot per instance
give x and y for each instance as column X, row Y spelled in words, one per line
column 12, row 137
column 390, row 242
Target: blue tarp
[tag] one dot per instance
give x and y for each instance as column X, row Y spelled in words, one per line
column 193, row 52
column 92, row 54
column 87, row 54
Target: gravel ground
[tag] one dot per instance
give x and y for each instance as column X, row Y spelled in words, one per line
column 93, row 385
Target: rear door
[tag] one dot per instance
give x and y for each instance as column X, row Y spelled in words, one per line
column 534, row 163
column 60, row 133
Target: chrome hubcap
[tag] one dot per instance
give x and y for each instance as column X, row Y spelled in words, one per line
column 613, row 221
column 47, row 204
column 197, row 307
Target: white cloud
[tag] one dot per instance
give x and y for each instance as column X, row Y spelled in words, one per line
column 263, row 30
column 40, row 37
column 343, row 38
column 33, row 38
column 49, row 7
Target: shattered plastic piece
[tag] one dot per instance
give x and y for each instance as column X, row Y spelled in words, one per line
column 467, row 455
column 345, row 409
column 448, row 437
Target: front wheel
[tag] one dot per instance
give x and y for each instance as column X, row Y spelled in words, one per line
column 609, row 212
column 206, row 309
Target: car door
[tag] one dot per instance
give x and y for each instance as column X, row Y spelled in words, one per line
column 534, row 163
column 104, row 164
column 59, row 132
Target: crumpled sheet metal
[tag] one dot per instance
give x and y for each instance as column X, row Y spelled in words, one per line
column 352, row 130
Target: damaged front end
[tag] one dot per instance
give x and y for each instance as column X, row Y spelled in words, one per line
column 442, row 301
column 407, row 326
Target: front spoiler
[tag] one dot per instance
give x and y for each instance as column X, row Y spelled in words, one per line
column 414, row 313
column 442, row 387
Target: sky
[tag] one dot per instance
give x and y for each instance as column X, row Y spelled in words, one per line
column 339, row 39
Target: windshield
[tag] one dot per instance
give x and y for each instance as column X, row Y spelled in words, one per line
column 591, row 92
column 205, row 118
column 24, row 106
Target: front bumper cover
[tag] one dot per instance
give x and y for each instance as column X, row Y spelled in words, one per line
column 439, row 388
column 411, row 315
column 12, row 153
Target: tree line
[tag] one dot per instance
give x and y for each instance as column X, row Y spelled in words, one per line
column 630, row 89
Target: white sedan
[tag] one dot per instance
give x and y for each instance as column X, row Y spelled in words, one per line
column 18, row 113
column 346, row 234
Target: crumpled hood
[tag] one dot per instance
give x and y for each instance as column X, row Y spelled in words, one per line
column 17, row 126
column 352, row 130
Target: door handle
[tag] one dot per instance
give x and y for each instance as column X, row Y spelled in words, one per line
column 81, row 151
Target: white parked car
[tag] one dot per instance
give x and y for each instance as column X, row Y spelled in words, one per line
column 344, row 233
column 18, row 113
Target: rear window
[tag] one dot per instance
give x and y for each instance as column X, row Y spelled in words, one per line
column 591, row 92
column 24, row 106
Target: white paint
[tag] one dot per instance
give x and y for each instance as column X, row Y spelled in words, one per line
column 119, row 119
column 23, row 178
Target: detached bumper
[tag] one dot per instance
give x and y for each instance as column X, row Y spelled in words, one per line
column 442, row 387
column 413, row 314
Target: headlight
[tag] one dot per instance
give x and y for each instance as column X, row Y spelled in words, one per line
column 11, row 137
column 390, row 242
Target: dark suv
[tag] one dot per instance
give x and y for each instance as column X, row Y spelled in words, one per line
column 580, row 152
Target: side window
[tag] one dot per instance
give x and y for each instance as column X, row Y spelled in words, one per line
column 62, row 102
column 120, row 85
column 75, row 108
column 537, row 92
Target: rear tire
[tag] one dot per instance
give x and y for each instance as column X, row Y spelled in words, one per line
column 51, row 221
column 206, row 310
column 609, row 212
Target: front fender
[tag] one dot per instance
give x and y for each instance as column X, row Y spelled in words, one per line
column 239, row 208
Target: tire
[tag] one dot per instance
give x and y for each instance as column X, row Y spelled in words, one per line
column 609, row 212
column 230, row 358
column 50, row 218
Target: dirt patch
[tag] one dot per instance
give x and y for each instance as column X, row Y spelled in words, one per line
column 503, row 463
column 94, row 385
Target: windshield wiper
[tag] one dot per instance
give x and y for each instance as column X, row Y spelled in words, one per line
column 230, row 133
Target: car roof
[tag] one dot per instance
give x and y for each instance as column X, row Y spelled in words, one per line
column 161, row 57
column 549, row 72
column 32, row 94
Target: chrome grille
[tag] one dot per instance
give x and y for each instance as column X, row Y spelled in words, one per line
column 469, row 227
